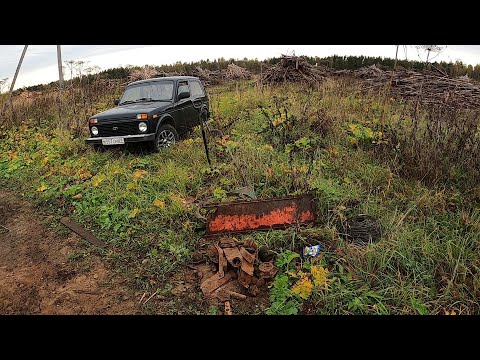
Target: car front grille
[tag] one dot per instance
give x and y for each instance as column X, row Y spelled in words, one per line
column 118, row 128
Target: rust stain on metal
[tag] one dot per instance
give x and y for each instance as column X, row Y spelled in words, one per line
column 214, row 282
column 267, row 270
column 260, row 214
column 250, row 258
column 227, row 243
column 234, row 257
column 246, row 280
column 222, row 262
column 247, row 267
column 228, row 308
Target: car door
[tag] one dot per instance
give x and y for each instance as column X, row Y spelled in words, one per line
column 199, row 98
column 186, row 106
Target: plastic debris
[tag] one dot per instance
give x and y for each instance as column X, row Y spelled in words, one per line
column 312, row 251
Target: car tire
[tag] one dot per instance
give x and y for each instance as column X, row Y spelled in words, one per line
column 166, row 136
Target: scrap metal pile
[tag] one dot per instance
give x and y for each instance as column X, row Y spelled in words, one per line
column 241, row 270
column 294, row 69
column 437, row 88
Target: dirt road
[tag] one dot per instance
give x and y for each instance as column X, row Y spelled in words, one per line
column 37, row 275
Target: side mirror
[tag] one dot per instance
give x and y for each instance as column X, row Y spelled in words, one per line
column 116, row 102
column 184, row 95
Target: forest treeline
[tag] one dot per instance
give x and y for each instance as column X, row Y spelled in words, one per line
column 255, row 66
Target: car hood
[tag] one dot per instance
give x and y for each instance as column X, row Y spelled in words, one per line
column 131, row 110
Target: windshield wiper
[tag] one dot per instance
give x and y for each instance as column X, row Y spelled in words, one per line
column 149, row 99
column 127, row 102
column 141, row 100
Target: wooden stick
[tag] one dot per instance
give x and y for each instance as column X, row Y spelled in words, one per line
column 151, row 296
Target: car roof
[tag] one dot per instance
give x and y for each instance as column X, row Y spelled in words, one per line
column 164, row 78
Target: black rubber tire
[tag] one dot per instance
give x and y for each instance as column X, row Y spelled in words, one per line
column 166, row 136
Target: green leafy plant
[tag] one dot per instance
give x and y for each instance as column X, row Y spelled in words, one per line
column 282, row 299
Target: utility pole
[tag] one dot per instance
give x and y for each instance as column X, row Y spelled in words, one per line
column 59, row 60
column 60, row 74
column 15, row 78
column 18, row 69
column 60, row 81
column 395, row 65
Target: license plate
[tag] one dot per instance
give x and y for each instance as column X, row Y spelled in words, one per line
column 113, row 141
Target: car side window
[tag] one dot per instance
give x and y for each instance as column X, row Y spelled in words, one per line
column 197, row 90
column 182, row 87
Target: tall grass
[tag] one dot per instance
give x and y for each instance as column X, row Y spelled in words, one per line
column 285, row 140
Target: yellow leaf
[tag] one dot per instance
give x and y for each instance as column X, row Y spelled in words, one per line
column 84, row 175
column 131, row 186
column 268, row 147
column 42, row 188
column 45, row 160
column 13, row 155
column 159, row 203
column 353, row 141
column 78, row 196
column 139, row 174
column 133, row 213
column 97, row 180
column 292, row 274
column 319, row 275
column 303, row 287
column 333, row 151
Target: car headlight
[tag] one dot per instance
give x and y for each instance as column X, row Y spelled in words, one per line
column 94, row 130
column 142, row 127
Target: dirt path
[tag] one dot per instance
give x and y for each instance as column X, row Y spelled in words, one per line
column 37, row 277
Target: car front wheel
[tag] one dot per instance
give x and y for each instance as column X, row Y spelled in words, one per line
column 166, row 137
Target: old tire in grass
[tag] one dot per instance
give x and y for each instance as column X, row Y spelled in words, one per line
column 166, row 136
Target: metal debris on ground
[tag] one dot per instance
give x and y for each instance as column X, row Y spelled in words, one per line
column 239, row 272
column 362, row 229
column 243, row 216
column 244, row 192
column 84, row 233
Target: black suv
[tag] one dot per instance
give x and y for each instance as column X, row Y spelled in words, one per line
column 155, row 110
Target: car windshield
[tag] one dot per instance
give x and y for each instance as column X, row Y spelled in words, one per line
column 149, row 91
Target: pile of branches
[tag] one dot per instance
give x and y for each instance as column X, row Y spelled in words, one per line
column 207, row 76
column 163, row 73
column 429, row 87
column 235, row 72
column 147, row 72
column 294, row 69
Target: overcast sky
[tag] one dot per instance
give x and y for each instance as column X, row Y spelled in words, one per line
column 40, row 66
